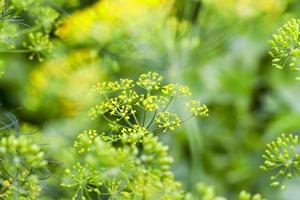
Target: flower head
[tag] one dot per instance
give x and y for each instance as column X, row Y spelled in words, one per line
column 85, row 140
column 282, row 156
column 134, row 134
column 285, row 46
column 150, row 81
column 126, row 105
column 39, row 44
column 46, row 17
column 197, row 108
column 176, row 90
column 168, row 121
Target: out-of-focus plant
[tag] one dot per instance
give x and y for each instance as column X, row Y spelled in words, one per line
column 17, row 21
column 245, row 9
column 61, row 82
column 99, row 19
column 129, row 162
column 208, row 192
column 23, row 162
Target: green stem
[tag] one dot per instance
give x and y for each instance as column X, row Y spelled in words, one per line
column 153, row 117
column 136, row 120
column 112, row 121
column 15, row 51
column 169, row 102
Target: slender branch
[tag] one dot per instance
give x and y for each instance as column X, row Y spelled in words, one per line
column 144, row 117
column 169, row 102
column 112, row 121
column 153, row 117
column 135, row 119
column 182, row 121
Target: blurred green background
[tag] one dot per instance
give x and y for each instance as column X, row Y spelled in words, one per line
column 216, row 47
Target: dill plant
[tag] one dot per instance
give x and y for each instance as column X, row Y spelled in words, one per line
column 285, row 46
column 282, row 154
column 129, row 161
column 25, row 27
column 23, row 162
column 142, row 106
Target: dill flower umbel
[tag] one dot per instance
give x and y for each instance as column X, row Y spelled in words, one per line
column 128, row 106
column 128, row 161
column 282, row 156
column 23, row 163
column 39, row 44
column 285, row 46
column 150, row 81
column 167, row 121
column 197, row 108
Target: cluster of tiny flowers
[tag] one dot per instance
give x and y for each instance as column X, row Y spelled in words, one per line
column 283, row 156
column 285, row 46
column 39, row 45
column 150, row 81
column 46, row 17
column 142, row 105
column 197, row 108
column 82, row 176
column 128, row 161
column 20, row 158
column 40, row 20
column 247, row 196
column 152, row 102
column 84, row 140
column 176, row 90
column 168, row 121
column 106, row 87
column 156, row 154
column 134, row 134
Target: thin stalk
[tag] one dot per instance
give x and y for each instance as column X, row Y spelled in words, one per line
column 144, row 117
column 135, row 119
column 153, row 117
column 169, row 102
column 112, row 121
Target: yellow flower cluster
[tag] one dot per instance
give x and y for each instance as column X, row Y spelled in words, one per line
column 61, row 82
column 108, row 17
column 168, row 121
column 176, row 90
column 20, row 159
column 197, row 108
column 107, row 87
column 152, row 102
column 150, row 81
column 139, row 112
column 84, row 140
column 134, row 134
